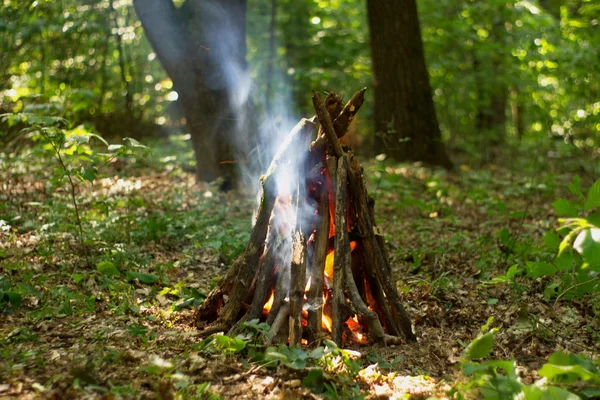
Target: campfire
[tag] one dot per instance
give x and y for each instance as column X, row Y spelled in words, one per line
column 315, row 264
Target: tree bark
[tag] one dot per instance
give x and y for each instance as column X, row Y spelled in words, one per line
column 202, row 47
column 405, row 120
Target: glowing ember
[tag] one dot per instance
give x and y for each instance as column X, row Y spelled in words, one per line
column 329, row 261
column 353, row 323
column 355, row 327
column 269, row 303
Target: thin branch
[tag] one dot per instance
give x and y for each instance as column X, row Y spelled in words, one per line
column 574, row 287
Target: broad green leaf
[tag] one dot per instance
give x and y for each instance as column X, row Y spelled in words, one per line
column 561, row 358
column 272, row 354
column 134, row 143
column 230, row 344
column 593, row 197
column 512, row 271
column 535, row 269
column 481, row 346
column 552, row 371
column 552, row 240
column 107, row 268
column 587, row 244
column 114, row 147
column 594, row 218
column 564, row 260
column 13, row 298
column 317, row 352
column 90, row 173
column 547, row 393
column 564, row 208
column 490, row 367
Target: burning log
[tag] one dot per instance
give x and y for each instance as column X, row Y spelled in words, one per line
column 316, row 263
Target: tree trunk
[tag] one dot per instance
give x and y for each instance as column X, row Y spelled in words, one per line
column 202, row 47
column 405, row 120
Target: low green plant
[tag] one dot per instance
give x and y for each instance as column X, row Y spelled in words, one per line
column 78, row 161
column 570, row 257
column 564, row 376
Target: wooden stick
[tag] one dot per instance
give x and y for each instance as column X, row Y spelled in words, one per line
column 298, row 282
column 278, row 321
column 342, row 121
column 315, row 294
column 326, row 124
column 330, row 183
column 342, row 249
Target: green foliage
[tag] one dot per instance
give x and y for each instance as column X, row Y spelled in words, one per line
column 575, row 266
column 564, row 376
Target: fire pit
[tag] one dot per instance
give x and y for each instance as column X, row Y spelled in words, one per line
column 315, row 264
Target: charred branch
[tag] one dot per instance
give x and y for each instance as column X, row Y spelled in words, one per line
column 315, row 294
column 342, row 249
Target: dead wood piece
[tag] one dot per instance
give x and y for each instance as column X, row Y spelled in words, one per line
column 342, row 249
column 345, row 117
column 213, row 329
column 298, row 280
column 390, row 340
column 342, row 121
column 315, row 294
column 326, row 124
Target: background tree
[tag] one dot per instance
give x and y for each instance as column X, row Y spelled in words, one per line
column 405, row 118
column 202, row 46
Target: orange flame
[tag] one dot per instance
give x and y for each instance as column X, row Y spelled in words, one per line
column 269, row 303
column 327, row 322
column 330, row 259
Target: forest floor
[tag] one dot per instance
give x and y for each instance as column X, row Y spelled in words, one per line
column 115, row 320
